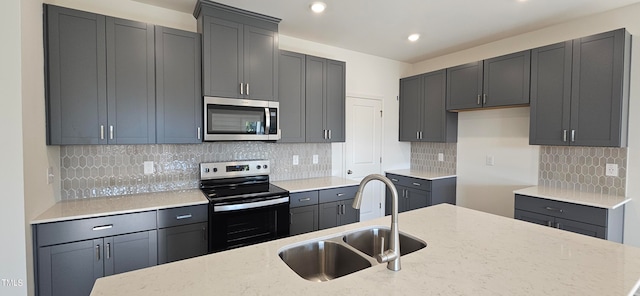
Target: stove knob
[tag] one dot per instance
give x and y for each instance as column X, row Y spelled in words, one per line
column 258, row 167
column 265, row 167
column 215, row 170
column 206, row 170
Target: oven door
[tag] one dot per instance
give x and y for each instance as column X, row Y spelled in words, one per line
column 236, row 119
column 238, row 225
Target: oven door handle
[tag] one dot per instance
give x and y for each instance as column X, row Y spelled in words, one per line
column 252, row 205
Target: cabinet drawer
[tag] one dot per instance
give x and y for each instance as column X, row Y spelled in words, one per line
column 301, row 199
column 75, row 230
column 337, row 194
column 565, row 210
column 182, row 216
column 421, row 184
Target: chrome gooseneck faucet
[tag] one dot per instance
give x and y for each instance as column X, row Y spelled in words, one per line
column 392, row 255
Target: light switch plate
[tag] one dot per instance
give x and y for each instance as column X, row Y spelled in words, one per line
column 440, row 156
column 148, row 167
column 490, row 161
column 611, row 170
column 296, row 160
column 315, row 159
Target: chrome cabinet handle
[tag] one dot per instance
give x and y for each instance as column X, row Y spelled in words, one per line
column 198, row 133
column 204, row 233
column 549, row 223
column 103, row 227
column 564, row 135
column 478, row 102
column 325, row 134
column 247, row 89
column 573, row 135
column 111, row 132
column 416, row 184
column 108, row 250
column 98, row 252
column 329, row 134
column 187, row 216
column 340, row 194
column 554, row 209
column 394, row 180
column 101, row 132
column 418, row 135
column 558, row 225
column 405, row 193
column 241, row 88
column 305, row 199
column 484, row 99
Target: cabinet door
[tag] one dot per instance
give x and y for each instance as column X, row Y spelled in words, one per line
column 464, row 86
column 416, row 199
column 438, row 125
column 550, row 94
column 260, row 63
column 598, row 103
column 403, row 202
column 178, row 90
column 410, row 108
column 129, row 252
column 581, row 228
column 222, row 60
column 182, row 242
column 315, row 97
column 349, row 214
column 76, row 76
column 304, row 219
column 291, row 89
column 506, row 80
column 130, row 82
column 335, row 100
column 69, row 269
column 534, row 218
column 328, row 215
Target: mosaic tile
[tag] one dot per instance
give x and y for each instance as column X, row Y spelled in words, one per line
column 424, row 156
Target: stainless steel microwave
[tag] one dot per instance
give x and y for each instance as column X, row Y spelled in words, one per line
column 241, row 120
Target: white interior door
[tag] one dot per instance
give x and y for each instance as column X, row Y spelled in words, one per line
column 363, row 154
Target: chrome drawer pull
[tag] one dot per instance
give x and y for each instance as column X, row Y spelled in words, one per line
column 554, row 209
column 340, row 194
column 103, row 227
column 187, row 216
column 416, row 184
column 305, row 199
column 394, row 180
column 549, row 223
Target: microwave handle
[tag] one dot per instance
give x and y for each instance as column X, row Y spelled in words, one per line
column 267, row 117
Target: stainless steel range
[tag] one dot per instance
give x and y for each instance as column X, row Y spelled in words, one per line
column 244, row 208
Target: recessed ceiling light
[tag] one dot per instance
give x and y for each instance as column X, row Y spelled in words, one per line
column 414, row 37
column 318, row 7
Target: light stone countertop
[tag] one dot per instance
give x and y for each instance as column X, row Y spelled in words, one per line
column 597, row 200
column 301, row 185
column 104, row 206
column 420, row 174
column 468, row 253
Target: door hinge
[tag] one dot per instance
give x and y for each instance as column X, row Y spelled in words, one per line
column 397, row 98
column 379, row 205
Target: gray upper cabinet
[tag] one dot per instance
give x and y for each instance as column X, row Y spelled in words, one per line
column 239, row 52
column 76, row 76
column 291, row 88
column 325, row 95
column 100, row 79
column 130, row 82
column 423, row 116
column 178, row 86
column 580, row 91
column 496, row 82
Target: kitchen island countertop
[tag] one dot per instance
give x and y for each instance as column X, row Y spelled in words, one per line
column 468, row 253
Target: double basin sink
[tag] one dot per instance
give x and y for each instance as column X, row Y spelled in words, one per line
column 326, row 259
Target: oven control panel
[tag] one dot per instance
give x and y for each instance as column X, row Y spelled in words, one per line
column 230, row 169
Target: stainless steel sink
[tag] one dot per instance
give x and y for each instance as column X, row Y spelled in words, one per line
column 368, row 241
column 321, row 261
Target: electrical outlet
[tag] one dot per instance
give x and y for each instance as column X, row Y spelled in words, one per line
column 50, row 175
column 148, row 167
column 296, row 160
column 490, row 161
column 315, row 159
column 611, row 170
column 440, row 156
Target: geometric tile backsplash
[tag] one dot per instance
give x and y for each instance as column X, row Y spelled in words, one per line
column 108, row 170
column 424, row 157
column 583, row 169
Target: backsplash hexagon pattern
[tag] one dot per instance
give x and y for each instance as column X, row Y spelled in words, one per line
column 583, row 169
column 424, row 157
column 108, row 170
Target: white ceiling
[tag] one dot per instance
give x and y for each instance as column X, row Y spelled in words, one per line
column 381, row 27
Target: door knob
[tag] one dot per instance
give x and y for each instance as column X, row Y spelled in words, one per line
column 349, row 172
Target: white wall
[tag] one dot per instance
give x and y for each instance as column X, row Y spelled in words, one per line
column 471, row 169
column 12, row 249
column 367, row 77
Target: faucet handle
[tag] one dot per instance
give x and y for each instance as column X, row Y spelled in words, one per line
column 381, row 245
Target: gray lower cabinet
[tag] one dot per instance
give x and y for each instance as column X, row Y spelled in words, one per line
column 596, row 222
column 178, row 86
column 325, row 96
column 71, row 255
column 182, row 233
column 415, row 193
column 304, row 212
column 322, row 209
column 291, row 88
column 337, row 213
column 423, row 114
column 240, row 52
column 580, row 91
column 496, row 82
